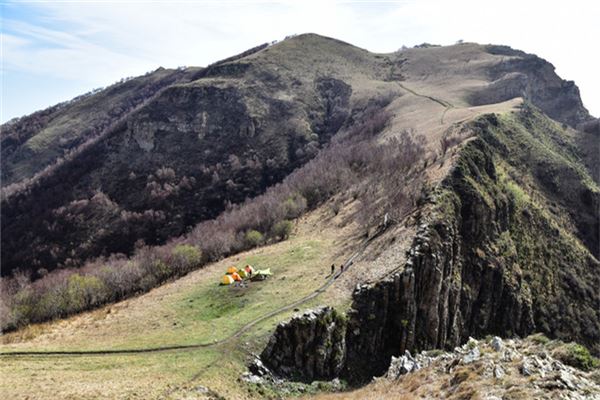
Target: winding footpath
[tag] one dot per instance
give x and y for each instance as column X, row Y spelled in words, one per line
column 234, row 335
column 446, row 104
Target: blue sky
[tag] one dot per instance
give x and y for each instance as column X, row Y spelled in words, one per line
column 55, row 50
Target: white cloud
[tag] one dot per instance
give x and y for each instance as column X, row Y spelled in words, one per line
column 65, row 57
column 96, row 43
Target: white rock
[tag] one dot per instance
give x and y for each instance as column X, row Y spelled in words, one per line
column 527, row 367
column 496, row 343
column 336, row 384
column 508, row 355
column 498, row 372
column 201, row 389
column 402, row 365
column 471, row 356
column 567, row 379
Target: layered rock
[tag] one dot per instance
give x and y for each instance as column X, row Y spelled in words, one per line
column 533, row 78
column 308, row 347
column 487, row 258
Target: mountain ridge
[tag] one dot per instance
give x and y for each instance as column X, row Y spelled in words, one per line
column 460, row 181
column 262, row 99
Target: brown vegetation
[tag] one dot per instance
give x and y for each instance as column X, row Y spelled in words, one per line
column 353, row 159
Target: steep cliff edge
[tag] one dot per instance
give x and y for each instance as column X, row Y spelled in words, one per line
column 526, row 75
column 309, row 345
column 505, row 246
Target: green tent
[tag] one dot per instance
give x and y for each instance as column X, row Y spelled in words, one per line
column 261, row 274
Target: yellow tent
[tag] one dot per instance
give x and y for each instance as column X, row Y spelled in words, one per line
column 227, row 280
column 231, row 270
column 242, row 273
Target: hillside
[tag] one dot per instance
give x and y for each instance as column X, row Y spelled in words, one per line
column 245, row 124
column 36, row 141
column 192, row 310
column 458, row 186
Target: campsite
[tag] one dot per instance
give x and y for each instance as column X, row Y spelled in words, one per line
column 241, row 276
column 196, row 309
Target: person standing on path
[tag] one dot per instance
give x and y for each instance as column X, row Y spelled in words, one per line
column 341, row 268
column 332, row 268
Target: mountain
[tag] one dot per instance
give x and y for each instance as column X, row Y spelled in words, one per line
column 460, row 184
column 208, row 138
column 119, row 162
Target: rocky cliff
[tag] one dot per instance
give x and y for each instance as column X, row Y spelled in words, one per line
column 308, row 346
column 495, row 253
column 526, row 75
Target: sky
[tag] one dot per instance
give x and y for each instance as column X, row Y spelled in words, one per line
column 52, row 51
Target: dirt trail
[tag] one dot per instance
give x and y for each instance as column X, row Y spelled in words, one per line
column 441, row 102
column 446, row 104
column 234, row 335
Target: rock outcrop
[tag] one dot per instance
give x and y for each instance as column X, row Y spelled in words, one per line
column 310, row 346
column 533, row 78
column 531, row 365
column 486, row 260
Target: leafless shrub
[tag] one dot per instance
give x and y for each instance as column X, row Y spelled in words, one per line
column 451, row 139
column 353, row 158
column 395, row 180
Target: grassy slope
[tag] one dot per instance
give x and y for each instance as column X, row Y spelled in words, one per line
column 191, row 310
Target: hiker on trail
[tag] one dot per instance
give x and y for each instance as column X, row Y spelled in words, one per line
column 332, row 268
column 341, row 268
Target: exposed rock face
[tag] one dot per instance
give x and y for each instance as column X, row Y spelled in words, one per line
column 443, row 295
column 487, row 259
column 522, row 364
column 308, row 347
column 587, row 139
column 403, row 365
column 533, row 78
column 591, row 126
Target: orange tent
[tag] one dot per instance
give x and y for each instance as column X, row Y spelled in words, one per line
column 236, row 276
column 231, row 270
